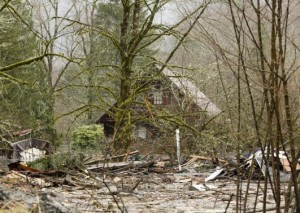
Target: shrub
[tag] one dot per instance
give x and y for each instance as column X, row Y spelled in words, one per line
column 58, row 161
column 88, row 137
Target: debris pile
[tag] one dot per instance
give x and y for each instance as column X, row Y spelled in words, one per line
column 130, row 183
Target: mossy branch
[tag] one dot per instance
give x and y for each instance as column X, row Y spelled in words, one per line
column 5, row 5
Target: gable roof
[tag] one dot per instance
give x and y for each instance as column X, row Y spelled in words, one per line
column 193, row 92
column 189, row 89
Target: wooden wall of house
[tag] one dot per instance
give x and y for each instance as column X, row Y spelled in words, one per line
column 161, row 95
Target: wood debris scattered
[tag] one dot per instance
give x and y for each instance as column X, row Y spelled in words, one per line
column 121, row 183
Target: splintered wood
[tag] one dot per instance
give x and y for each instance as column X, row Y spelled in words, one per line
column 148, row 185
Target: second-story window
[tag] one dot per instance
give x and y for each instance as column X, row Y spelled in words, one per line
column 158, row 98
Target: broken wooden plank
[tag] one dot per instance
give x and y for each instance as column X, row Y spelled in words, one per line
column 197, row 187
column 286, row 165
column 214, row 175
column 190, row 162
column 119, row 165
column 195, row 158
column 91, row 160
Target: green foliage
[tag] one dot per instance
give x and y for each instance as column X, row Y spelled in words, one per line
column 23, row 105
column 16, row 40
column 58, row 161
column 88, row 137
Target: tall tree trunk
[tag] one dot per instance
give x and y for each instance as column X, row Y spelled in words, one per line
column 123, row 126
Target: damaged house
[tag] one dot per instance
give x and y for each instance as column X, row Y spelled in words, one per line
column 26, row 150
column 29, row 150
column 169, row 98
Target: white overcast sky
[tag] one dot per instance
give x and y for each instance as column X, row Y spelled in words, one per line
column 169, row 15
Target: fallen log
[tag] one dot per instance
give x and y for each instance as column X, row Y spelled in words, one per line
column 125, row 156
column 119, row 165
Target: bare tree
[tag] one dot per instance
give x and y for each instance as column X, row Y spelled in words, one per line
column 54, row 33
column 255, row 42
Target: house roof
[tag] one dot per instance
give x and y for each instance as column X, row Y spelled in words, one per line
column 189, row 89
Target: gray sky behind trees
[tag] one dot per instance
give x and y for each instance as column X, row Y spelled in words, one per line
column 170, row 14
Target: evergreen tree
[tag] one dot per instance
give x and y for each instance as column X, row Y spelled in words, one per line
column 22, row 102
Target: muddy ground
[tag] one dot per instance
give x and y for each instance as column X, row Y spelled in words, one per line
column 141, row 191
